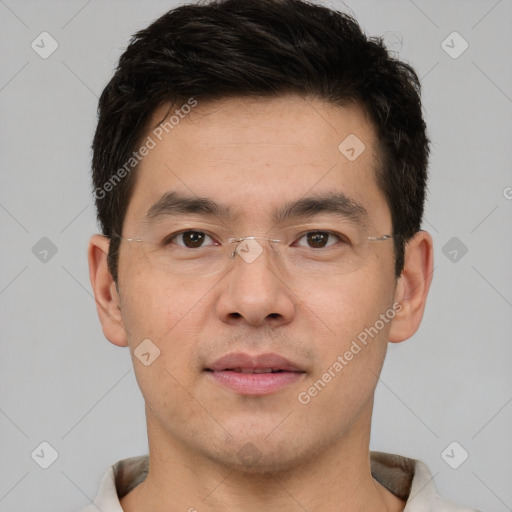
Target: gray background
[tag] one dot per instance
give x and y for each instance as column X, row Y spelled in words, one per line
column 63, row 383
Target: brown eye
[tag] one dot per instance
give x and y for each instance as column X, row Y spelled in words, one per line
column 189, row 239
column 318, row 239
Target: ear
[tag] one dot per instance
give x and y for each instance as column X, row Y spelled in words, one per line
column 412, row 287
column 105, row 291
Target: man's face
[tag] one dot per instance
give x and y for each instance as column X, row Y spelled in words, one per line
column 254, row 157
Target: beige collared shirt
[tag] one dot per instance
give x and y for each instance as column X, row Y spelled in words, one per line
column 408, row 479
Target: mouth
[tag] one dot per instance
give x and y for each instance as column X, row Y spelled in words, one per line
column 253, row 370
column 262, row 374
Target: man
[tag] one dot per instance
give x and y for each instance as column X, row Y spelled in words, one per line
column 259, row 173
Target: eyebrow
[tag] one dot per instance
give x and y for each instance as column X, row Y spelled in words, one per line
column 174, row 204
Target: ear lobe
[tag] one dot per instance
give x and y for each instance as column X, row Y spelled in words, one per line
column 105, row 291
column 413, row 286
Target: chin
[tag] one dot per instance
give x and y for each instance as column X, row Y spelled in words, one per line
column 258, row 456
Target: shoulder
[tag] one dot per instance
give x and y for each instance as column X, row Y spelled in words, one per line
column 118, row 480
column 411, row 480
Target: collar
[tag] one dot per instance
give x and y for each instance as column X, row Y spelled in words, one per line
column 409, row 479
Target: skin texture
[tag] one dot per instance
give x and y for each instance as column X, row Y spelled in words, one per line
column 254, row 155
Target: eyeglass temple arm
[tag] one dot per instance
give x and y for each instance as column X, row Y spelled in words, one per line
column 379, row 238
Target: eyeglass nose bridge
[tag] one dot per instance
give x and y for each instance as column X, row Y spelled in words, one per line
column 240, row 239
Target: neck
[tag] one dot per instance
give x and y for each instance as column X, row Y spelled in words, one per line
column 336, row 479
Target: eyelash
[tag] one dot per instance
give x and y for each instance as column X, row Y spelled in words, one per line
column 341, row 238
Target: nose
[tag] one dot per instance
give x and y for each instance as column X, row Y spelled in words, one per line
column 255, row 290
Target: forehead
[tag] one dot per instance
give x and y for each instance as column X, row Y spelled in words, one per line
column 252, row 155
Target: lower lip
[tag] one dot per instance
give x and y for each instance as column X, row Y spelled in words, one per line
column 256, row 383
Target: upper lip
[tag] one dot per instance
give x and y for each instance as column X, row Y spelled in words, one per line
column 240, row 360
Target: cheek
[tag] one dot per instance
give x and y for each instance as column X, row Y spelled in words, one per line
column 343, row 307
column 156, row 307
column 352, row 350
column 169, row 316
column 350, row 337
